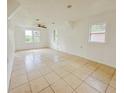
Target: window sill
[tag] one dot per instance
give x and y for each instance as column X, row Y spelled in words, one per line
column 96, row 42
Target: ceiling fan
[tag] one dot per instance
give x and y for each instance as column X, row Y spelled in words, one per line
column 38, row 24
column 42, row 26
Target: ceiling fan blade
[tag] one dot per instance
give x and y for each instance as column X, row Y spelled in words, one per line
column 43, row 26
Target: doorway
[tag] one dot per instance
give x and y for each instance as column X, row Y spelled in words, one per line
column 55, row 39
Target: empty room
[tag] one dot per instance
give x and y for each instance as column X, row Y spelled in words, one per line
column 61, row 46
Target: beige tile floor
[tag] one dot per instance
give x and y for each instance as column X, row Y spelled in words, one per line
column 50, row 71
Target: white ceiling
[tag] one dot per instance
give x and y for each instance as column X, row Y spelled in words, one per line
column 49, row 11
column 12, row 5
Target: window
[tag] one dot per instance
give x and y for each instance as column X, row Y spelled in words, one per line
column 28, row 36
column 36, row 36
column 32, row 36
column 97, row 33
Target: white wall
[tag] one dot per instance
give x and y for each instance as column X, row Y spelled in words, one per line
column 10, row 50
column 12, row 6
column 20, row 39
column 73, row 38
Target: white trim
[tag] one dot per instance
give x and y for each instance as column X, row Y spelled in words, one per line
column 89, row 35
column 9, row 68
column 16, row 10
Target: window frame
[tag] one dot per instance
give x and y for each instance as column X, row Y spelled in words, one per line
column 90, row 32
column 27, row 35
column 36, row 35
column 33, row 36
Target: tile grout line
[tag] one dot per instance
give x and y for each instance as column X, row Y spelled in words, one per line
column 43, row 89
column 52, row 89
column 43, row 78
column 61, row 77
column 18, row 85
column 87, row 77
column 109, row 82
column 48, row 84
column 74, row 75
column 28, row 81
column 92, row 87
column 103, row 81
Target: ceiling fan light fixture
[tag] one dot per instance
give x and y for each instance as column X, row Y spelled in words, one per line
column 39, row 25
column 69, row 6
column 37, row 19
